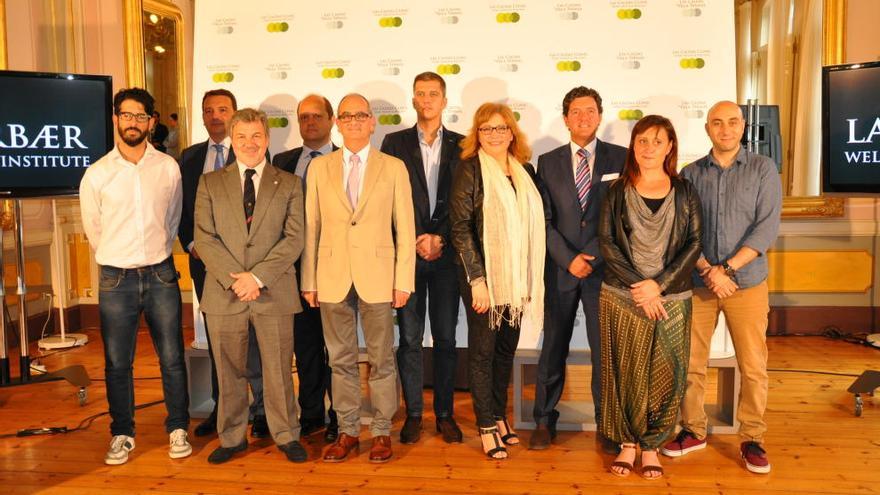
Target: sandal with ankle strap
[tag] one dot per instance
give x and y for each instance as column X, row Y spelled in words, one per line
column 623, row 464
column 496, row 441
column 652, row 468
column 508, row 436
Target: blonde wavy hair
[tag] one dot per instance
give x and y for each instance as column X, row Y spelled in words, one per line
column 519, row 148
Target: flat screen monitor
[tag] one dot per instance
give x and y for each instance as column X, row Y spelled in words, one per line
column 851, row 129
column 52, row 127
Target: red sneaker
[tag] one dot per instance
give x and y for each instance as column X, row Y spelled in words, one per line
column 755, row 457
column 684, row 443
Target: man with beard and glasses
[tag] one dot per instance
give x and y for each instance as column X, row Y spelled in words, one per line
column 130, row 201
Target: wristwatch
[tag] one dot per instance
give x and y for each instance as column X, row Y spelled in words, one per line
column 728, row 270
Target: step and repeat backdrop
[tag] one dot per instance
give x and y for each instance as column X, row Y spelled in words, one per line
column 672, row 57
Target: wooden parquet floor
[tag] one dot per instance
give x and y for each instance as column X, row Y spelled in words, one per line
column 816, row 445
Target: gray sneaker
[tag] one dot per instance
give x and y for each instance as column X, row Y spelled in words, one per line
column 120, row 446
column 180, row 446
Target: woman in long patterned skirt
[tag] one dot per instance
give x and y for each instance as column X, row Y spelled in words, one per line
column 649, row 234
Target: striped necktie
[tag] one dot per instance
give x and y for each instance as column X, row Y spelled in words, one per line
column 583, row 178
column 218, row 157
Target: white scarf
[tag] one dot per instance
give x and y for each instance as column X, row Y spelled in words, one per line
column 514, row 243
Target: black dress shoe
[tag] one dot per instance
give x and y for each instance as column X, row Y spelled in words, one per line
column 412, row 429
column 541, row 437
column 449, row 430
column 310, row 425
column 206, row 427
column 223, row 454
column 294, row 452
column 332, row 432
column 260, row 428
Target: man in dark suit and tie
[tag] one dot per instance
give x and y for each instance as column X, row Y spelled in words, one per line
column 576, row 176
column 249, row 231
column 218, row 105
column 315, row 116
column 430, row 152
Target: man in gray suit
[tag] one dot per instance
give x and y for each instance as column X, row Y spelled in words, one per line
column 249, row 232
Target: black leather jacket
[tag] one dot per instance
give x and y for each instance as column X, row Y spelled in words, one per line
column 682, row 253
column 466, row 215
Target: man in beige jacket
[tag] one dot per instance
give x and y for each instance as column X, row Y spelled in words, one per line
column 359, row 259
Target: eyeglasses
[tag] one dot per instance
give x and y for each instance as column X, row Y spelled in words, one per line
column 128, row 116
column 347, row 117
column 500, row 129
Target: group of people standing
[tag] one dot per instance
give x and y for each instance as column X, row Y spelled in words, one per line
column 288, row 257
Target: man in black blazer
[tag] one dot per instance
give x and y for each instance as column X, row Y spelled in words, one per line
column 218, row 105
column 430, row 152
column 315, row 116
column 576, row 176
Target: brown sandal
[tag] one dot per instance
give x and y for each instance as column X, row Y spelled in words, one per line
column 652, row 468
column 623, row 464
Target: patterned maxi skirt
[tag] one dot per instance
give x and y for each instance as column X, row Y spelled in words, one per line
column 644, row 369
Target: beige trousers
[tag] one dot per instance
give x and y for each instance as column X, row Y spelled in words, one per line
column 746, row 314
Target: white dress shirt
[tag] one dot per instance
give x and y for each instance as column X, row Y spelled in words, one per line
column 212, row 154
column 257, row 176
column 431, row 163
column 575, row 159
column 130, row 211
column 362, row 167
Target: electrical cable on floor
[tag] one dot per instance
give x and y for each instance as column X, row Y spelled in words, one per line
column 83, row 425
column 814, row 372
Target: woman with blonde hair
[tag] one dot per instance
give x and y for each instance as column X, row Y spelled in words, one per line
column 498, row 229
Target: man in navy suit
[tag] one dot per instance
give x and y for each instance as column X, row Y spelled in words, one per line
column 430, row 152
column 218, row 105
column 315, row 116
column 576, row 176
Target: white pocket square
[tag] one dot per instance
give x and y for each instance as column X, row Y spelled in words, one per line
column 608, row 177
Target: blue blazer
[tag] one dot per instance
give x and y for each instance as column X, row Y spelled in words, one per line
column 570, row 230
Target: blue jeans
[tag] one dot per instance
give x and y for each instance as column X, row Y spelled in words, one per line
column 124, row 295
column 441, row 283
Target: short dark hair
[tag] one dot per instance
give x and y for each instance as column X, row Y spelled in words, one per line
column 430, row 76
column 173, row 116
column 580, row 92
column 220, row 92
column 328, row 107
column 139, row 95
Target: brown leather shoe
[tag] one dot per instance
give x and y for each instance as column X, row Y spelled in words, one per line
column 381, row 449
column 341, row 448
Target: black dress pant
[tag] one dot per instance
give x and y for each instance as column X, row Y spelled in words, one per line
column 560, row 309
column 490, row 359
column 312, row 364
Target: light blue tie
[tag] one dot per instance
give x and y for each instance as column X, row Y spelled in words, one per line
column 218, row 158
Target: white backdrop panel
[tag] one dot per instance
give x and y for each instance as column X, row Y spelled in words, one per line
column 672, row 57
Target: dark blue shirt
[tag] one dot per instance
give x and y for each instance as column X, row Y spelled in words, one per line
column 742, row 205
